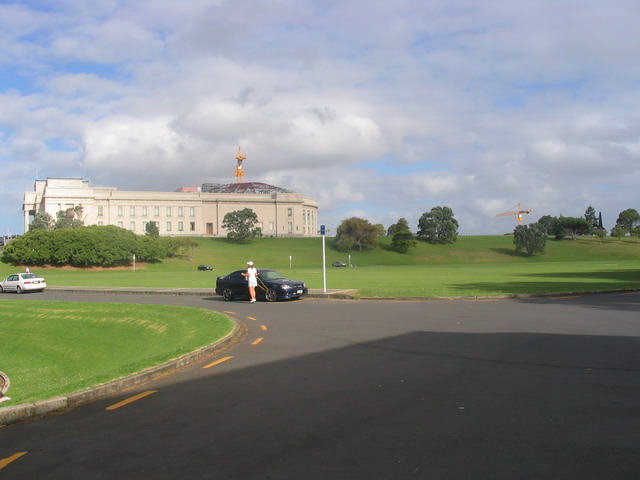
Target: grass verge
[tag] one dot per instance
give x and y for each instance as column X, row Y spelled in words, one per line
column 56, row 348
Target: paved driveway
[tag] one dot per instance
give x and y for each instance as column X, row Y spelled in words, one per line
column 324, row 389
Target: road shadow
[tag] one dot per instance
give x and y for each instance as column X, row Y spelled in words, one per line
column 419, row 405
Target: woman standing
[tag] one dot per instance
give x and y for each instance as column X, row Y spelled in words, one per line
column 252, row 277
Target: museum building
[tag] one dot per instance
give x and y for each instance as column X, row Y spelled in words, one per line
column 188, row 211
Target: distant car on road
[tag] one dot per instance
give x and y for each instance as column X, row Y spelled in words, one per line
column 339, row 264
column 204, row 267
column 23, row 282
column 272, row 286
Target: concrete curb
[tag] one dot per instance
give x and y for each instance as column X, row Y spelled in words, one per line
column 26, row 411
column 347, row 294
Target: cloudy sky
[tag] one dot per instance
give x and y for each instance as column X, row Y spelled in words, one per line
column 379, row 109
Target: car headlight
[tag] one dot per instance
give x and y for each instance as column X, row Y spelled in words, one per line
column 287, row 287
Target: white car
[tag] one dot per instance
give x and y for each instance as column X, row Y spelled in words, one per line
column 23, row 282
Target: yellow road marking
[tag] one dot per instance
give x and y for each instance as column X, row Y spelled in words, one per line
column 131, row 399
column 257, row 341
column 251, row 318
column 228, row 312
column 6, row 461
column 217, row 362
column 263, row 327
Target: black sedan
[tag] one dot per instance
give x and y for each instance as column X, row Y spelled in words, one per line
column 272, row 286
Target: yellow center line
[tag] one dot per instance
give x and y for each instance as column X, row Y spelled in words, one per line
column 257, row 341
column 6, row 461
column 263, row 328
column 131, row 399
column 228, row 312
column 218, row 362
column 251, row 318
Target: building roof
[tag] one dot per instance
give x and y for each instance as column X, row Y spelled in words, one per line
column 250, row 187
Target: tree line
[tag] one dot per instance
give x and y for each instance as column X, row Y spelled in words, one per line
column 438, row 226
column 67, row 241
column 532, row 238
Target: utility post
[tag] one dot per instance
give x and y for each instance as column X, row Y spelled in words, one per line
column 324, row 262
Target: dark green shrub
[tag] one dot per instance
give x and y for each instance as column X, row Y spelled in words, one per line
column 100, row 246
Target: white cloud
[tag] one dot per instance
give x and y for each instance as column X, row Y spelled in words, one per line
column 386, row 111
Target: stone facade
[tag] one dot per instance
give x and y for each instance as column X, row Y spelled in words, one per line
column 189, row 211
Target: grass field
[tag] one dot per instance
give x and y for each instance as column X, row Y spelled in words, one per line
column 55, row 348
column 474, row 265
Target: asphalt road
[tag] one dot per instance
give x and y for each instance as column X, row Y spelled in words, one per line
column 324, row 389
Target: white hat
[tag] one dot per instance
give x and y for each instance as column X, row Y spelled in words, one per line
column 249, row 262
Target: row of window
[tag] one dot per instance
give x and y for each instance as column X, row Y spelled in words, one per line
column 308, row 218
column 144, row 211
column 168, row 226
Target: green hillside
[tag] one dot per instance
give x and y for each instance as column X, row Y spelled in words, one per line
column 474, row 265
column 307, row 252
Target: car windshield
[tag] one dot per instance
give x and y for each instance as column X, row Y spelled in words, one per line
column 29, row 275
column 271, row 275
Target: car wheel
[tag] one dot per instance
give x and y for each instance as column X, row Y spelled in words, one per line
column 18, row 289
column 1, row 290
column 227, row 294
column 271, row 295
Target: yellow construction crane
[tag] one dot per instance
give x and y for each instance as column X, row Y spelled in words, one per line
column 239, row 172
column 518, row 212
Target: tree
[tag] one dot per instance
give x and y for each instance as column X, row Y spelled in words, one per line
column 41, row 221
column 600, row 233
column 530, row 239
column 403, row 240
column 356, row 234
column 242, row 225
column 574, row 226
column 618, row 231
column 552, row 226
column 151, row 229
column 628, row 219
column 69, row 218
column 590, row 217
column 380, row 229
column 401, row 224
column 438, row 226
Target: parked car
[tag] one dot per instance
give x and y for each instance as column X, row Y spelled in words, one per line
column 339, row 264
column 204, row 267
column 23, row 282
column 272, row 286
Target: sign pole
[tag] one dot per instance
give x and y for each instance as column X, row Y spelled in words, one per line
column 324, row 262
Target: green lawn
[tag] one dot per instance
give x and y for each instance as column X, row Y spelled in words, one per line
column 482, row 279
column 474, row 265
column 55, row 348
